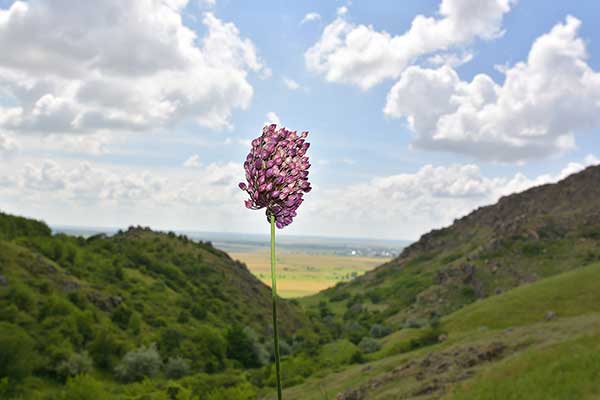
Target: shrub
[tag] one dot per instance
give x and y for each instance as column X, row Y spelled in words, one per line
column 368, row 345
column 170, row 341
column 104, row 349
column 357, row 357
column 242, row 348
column 76, row 364
column 379, row 331
column 244, row 391
column 121, row 317
column 177, row 368
column 139, row 364
column 16, row 352
column 84, row 387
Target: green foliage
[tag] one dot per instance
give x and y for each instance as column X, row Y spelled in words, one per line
column 84, row 387
column 105, row 349
column 378, row 331
column 76, row 364
column 427, row 337
column 369, row 345
column 17, row 356
column 206, row 348
column 139, row 363
column 239, row 392
column 12, row 227
column 170, row 341
column 121, row 317
column 177, row 367
column 242, row 348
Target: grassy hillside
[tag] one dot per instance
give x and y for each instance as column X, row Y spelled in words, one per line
column 539, row 341
column 525, row 237
column 441, row 284
column 70, row 305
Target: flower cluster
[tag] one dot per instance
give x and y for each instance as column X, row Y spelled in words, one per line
column 277, row 173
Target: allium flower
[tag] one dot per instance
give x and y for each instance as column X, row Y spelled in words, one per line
column 277, row 173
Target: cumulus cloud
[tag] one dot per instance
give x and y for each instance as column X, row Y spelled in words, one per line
column 407, row 205
column 192, row 162
column 272, row 118
column 360, row 55
column 291, row 84
column 309, row 17
column 119, row 65
column 534, row 113
column 86, row 183
column 8, row 146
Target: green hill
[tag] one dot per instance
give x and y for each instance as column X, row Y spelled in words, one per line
column 71, row 305
column 539, row 341
column 457, row 286
column 503, row 304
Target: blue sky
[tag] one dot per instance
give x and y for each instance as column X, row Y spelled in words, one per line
column 139, row 113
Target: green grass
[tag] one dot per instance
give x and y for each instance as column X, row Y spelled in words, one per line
column 558, row 359
column 570, row 370
column 569, row 294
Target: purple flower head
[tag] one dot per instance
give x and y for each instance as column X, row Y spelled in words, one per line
column 277, row 173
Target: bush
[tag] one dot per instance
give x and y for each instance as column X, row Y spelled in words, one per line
column 170, row 341
column 206, row 349
column 244, row 391
column 357, row 358
column 139, row 364
column 16, row 352
column 76, row 364
column 177, row 368
column 378, row 331
column 104, row 349
column 368, row 345
column 84, row 387
column 241, row 347
column 427, row 338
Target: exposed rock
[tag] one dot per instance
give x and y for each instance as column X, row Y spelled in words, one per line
column 105, row 304
column 352, row 394
column 550, row 315
column 442, row 338
column 3, row 280
column 70, row 286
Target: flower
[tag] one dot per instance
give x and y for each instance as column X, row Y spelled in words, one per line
column 277, row 173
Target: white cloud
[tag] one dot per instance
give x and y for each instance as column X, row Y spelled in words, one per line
column 542, row 103
column 407, row 205
column 8, row 146
column 291, row 84
column 192, row 162
column 272, row 118
column 84, row 182
column 363, row 56
column 130, row 66
column 309, row 17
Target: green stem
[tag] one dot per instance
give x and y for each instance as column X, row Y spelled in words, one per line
column 274, row 294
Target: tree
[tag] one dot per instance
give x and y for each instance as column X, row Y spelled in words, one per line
column 240, row 347
column 104, row 349
column 139, row 364
column 17, row 356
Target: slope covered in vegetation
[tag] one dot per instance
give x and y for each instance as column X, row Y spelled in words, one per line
column 135, row 305
column 539, row 341
column 440, row 285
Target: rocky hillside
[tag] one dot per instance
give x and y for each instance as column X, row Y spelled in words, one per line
column 502, row 304
column 70, row 305
column 522, row 238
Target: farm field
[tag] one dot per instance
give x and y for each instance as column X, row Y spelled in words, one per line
column 301, row 274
